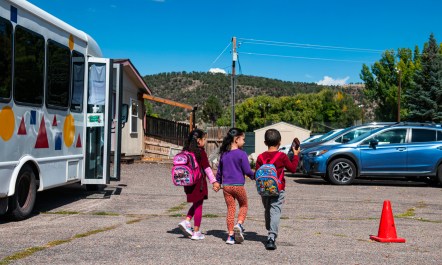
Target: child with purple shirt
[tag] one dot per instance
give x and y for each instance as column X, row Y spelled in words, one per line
column 233, row 167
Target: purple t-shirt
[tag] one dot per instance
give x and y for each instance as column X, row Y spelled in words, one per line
column 232, row 167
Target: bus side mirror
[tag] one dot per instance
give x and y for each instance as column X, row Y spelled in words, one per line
column 124, row 113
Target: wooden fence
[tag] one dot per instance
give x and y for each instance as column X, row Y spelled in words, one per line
column 163, row 138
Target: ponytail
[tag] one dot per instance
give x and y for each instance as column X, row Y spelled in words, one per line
column 191, row 144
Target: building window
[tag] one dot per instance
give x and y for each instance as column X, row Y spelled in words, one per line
column 133, row 116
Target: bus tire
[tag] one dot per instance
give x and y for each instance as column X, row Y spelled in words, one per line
column 22, row 202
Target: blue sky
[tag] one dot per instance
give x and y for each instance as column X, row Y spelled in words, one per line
column 305, row 41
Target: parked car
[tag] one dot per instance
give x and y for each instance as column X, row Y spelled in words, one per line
column 338, row 137
column 403, row 149
column 312, row 138
column 315, row 138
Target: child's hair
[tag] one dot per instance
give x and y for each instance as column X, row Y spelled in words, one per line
column 229, row 138
column 272, row 137
column 191, row 144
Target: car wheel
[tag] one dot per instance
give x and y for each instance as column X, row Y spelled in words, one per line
column 341, row 171
column 23, row 200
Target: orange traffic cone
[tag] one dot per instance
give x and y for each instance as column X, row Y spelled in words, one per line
column 387, row 230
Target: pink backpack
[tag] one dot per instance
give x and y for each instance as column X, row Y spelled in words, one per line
column 185, row 170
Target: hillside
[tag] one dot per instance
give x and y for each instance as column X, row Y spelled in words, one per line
column 195, row 87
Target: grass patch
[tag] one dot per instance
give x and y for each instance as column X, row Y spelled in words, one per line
column 177, row 208
column 93, row 232
column 177, row 215
column 58, row 242
column 21, row 255
column 133, row 221
column 210, row 215
column 106, row 213
column 339, row 235
column 407, row 214
column 30, row 251
column 284, row 218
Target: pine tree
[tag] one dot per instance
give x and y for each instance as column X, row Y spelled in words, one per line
column 425, row 95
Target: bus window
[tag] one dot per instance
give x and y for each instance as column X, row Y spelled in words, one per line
column 58, row 73
column 78, row 65
column 29, row 66
column 5, row 58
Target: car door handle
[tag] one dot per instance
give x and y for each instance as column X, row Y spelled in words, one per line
column 401, row 148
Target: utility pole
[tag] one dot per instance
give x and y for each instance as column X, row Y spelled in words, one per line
column 399, row 99
column 234, row 59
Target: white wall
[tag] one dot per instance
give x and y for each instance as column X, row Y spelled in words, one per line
column 288, row 133
column 132, row 143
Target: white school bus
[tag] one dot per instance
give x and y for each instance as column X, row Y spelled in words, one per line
column 59, row 107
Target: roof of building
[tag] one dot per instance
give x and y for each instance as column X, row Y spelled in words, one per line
column 134, row 75
column 281, row 123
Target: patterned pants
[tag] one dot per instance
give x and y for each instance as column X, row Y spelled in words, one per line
column 232, row 193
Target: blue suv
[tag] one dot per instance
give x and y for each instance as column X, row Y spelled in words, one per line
column 403, row 149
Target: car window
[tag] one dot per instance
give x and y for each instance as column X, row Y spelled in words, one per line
column 353, row 134
column 439, row 135
column 394, row 136
column 423, row 135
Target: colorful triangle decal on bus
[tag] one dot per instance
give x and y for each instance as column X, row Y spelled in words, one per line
column 54, row 122
column 42, row 138
column 22, row 128
column 78, row 145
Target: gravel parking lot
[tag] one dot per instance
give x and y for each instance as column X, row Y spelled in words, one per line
column 134, row 221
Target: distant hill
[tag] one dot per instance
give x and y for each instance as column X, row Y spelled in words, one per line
column 195, row 87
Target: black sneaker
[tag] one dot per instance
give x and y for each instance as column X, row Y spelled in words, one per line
column 270, row 244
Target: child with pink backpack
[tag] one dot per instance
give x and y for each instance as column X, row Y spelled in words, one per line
column 198, row 192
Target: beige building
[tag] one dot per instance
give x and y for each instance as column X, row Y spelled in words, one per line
column 288, row 133
column 132, row 135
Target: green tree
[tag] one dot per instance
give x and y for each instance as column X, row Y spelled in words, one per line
column 212, row 109
column 381, row 86
column 425, row 97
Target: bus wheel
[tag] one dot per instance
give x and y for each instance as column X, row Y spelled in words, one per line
column 23, row 200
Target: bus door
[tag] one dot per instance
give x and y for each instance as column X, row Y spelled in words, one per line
column 117, row 123
column 98, row 121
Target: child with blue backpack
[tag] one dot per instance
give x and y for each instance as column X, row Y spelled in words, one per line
column 197, row 193
column 232, row 168
column 273, row 204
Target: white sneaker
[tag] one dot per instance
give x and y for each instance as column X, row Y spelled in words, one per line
column 197, row 236
column 230, row 240
column 239, row 230
column 186, row 228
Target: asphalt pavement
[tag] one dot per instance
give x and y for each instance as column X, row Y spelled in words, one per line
column 134, row 221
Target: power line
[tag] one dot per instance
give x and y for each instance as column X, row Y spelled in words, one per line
column 228, row 45
column 302, row 57
column 303, row 45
